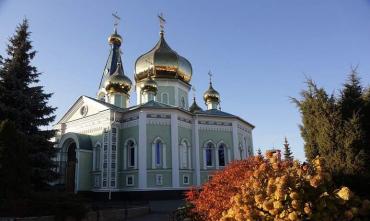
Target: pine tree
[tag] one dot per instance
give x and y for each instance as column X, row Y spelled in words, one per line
column 288, row 155
column 14, row 169
column 333, row 128
column 24, row 102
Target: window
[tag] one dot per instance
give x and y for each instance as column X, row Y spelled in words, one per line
column 241, row 150
column 209, row 154
column 158, row 179
column 165, row 98
column 131, row 153
column 182, row 102
column 96, row 181
column 185, row 179
column 210, row 177
column 129, row 180
column 221, row 155
column 158, row 150
column 184, row 155
column 97, row 157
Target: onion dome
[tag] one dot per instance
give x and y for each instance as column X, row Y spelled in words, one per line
column 194, row 107
column 149, row 85
column 115, row 38
column 211, row 95
column 118, row 82
column 163, row 62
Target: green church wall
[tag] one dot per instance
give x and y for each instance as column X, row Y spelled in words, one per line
column 204, row 175
column 122, row 179
column 183, row 94
column 185, row 133
column 85, row 167
column 181, row 178
column 164, row 132
column 167, row 178
column 170, row 90
column 215, row 137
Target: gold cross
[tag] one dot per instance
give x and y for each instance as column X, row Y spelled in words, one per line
column 162, row 21
column 116, row 19
column 210, row 76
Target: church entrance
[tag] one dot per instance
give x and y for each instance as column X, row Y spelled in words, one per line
column 71, row 168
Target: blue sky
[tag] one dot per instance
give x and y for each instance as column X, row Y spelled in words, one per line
column 258, row 51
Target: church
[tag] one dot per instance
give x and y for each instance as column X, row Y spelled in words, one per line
column 165, row 142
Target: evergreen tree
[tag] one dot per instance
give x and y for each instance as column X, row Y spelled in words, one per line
column 288, row 155
column 332, row 128
column 25, row 103
column 14, row 168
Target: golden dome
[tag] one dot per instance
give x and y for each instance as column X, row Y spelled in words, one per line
column 211, row 95
column 118, row 82
column 149, row 85
column 115, row 38
column 163, row 62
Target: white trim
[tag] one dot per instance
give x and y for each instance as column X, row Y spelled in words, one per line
column 159, row 179
column 196, row 151
column 183, row 178
column 175, row 150
column 127, row 154
column 235, row 140
column 168, row 98
column 142, row 151
column 133, row 180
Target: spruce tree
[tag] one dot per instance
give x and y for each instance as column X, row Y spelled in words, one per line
column 14, row 168
column 24, row 102
column 333, row 128
column 288, row 155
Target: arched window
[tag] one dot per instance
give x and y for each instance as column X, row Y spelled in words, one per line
column 97, row 157
column 221, row 155
column 158, row 153
column 131, row 153
column 209, row 154
column 182, row 102
column 165, row 98
column 184, row 155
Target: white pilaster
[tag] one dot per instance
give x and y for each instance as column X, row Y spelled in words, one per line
column 142, row 151
column 196, row 151
column 125, row 156
column 175, row 150
column 235, row 141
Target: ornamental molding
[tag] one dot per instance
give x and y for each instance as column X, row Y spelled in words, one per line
column 129, row 124
column 158, row 115
column 184, row 124
column 245, row 129
column 157, row 121
column 216, row 123
column 215, row 128
column 184, row 119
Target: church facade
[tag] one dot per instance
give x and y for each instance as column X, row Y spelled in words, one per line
column 161, row 143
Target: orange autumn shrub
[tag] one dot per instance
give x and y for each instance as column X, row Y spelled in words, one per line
column 272, row 189
column 214, row 198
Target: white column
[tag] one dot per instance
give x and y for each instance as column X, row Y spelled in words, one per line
column 125, row 157
column 164, row 154
column 217, row 159
column 142, row 150
column 175, row 150
column 235, row 141
column 195, row 148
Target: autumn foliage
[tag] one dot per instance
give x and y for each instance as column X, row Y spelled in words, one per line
column 272, row 189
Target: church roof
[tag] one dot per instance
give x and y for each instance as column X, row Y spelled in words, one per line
column 114, row 59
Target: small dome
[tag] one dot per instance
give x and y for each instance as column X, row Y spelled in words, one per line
column 118, row 82
column 149, row 85
column 163, row 62
column 211, row 95
column 194, row 107
column 115, row 38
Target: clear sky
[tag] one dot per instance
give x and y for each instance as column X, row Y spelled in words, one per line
column 259, row 51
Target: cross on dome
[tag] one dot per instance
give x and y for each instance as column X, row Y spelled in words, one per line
column 162, row 21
